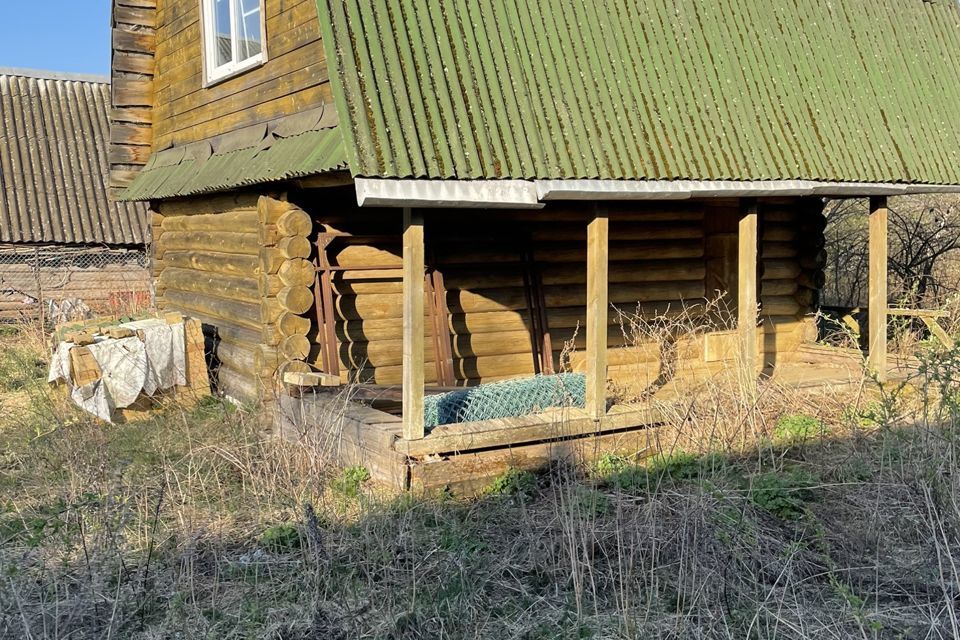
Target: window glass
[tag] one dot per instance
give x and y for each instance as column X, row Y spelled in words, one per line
column 223, row 49
column 248, row 29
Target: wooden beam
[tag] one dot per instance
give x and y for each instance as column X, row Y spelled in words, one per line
column 748, row 236
column 597, row 298
column 413, row 327
column 877, row 355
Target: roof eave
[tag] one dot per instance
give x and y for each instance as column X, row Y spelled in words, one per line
column 533, row 194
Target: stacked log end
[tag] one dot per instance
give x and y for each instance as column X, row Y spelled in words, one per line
column 286, row 277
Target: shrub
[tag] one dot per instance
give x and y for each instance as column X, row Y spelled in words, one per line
column 784, row 494
column 609, row 464
column 798, row 427
column 281, row 538
column 513, row 482
column 350, row 480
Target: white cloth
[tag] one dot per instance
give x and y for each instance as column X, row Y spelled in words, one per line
column 123, row 367
column 128, row 366
column 60, row 363
column 166, row 356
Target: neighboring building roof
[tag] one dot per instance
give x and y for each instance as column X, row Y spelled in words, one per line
column 826, row 90
column 296, row 146
column 53, row 162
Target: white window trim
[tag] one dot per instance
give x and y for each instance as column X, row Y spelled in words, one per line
column 214, row 75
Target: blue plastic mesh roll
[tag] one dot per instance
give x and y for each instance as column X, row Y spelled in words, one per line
column 506, row 399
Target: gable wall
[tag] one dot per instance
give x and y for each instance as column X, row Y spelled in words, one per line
column 293, row 79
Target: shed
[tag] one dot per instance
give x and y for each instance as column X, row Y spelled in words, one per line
column 61, row 237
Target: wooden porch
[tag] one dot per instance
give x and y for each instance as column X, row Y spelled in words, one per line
column 392, row 442
column 465, row 458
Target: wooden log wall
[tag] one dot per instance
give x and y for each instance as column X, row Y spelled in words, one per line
column 792, row 258
column 293, row 78
column 132, row 70
column 240, row 263
column 514, row 285
column 665, row 258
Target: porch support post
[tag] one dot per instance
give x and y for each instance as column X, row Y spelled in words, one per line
column 597, row 303
column 413, row 325
column 877, row 354
column 747, row 299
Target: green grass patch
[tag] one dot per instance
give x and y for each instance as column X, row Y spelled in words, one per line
column 513, row 482
column 784, row 494
column 798, row 427
column 350, row 481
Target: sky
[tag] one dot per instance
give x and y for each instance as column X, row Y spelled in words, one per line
column 56, row 35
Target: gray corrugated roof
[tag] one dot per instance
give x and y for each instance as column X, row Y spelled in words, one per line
column 54, row 138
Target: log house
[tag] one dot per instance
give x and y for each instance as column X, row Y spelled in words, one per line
column 444, row 195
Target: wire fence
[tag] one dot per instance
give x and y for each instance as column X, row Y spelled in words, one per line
column 506, row 399
column 56, row 283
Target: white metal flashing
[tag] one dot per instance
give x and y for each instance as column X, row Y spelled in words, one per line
column 486, row 194
column 532, row 194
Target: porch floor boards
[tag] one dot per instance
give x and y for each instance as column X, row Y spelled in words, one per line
column 466, row 457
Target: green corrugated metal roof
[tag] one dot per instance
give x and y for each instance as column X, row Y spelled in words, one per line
column 176, row 173
column 836, row 90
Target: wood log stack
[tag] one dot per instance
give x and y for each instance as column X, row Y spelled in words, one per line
column 84, row 368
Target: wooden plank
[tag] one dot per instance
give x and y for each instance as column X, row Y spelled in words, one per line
column 413, row 324
column 877, row 358
column 132, row 92
column 598, row 231
column 197, row 378
column 544, row 427
column 130, row 134
column 356, row 434
column 128, row 154
column 938, row 331
column 747, row 292
column 135, row 16
column 126, row 62
column 471, row 473
column 134, row 41
column 929, row 318
column 917, row 313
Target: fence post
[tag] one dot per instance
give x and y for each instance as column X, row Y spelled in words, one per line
column 41, row 315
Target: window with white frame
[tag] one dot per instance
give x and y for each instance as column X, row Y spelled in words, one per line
column 233, row 36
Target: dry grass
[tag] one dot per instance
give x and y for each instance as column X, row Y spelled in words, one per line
column 784, row 517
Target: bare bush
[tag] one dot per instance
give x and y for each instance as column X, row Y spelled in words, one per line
column 924, row 243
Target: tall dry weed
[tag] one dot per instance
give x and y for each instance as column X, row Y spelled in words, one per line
column 787, row 514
